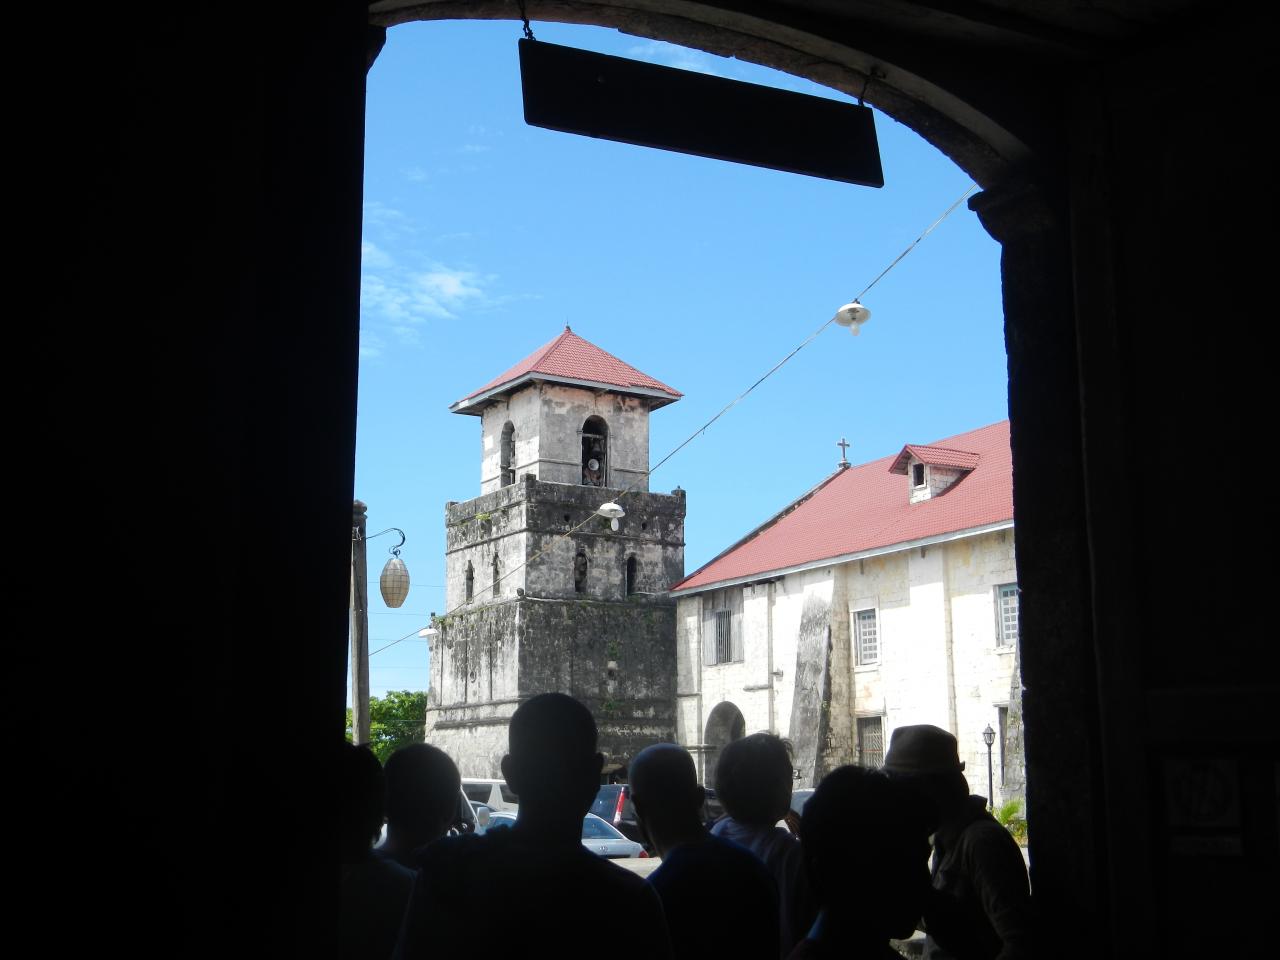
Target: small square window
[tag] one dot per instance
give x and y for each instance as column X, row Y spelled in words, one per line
column 1006, row 615
column 867, row 636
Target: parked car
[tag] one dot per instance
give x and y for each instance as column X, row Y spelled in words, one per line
column 798, row 798
column 597, row 835
column 613, row 805
column 494, row 794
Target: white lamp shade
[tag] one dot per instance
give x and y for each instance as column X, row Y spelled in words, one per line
column 852, row 315
column 611, row 511
column 394, row 582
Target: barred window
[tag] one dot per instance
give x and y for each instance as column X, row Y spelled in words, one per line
column 867, row 635
column 1006, row 614
column 722, row 627
column 871, row 741
column 724, row 636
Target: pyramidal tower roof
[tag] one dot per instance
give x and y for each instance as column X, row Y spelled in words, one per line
column 570, row 360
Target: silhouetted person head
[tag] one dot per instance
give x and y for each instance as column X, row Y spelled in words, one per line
column 552, row 763
column 753, row 779
column 866, row 850
column 927, row 758
column 666, row 795
column 363, row 799
column 423, row 787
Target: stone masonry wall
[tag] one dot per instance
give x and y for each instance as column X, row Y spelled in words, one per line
column 614, row 657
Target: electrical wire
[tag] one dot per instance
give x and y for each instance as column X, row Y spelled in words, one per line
column 702, row 429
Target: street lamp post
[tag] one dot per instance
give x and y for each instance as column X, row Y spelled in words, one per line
column 394, row 584
column 989, row 737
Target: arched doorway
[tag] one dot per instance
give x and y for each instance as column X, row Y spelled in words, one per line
column 724, row 725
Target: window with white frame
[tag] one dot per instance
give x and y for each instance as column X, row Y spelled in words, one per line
column 870, row 737
column 867, row 636
column 1006, row 614
column 722, row 627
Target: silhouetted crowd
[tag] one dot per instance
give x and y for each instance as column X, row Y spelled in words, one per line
column 843, row 880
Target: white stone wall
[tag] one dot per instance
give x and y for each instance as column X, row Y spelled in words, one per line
column 524, row 413
column 936, row 617
column 936, row 480
column 548, row 420
column 563, row 412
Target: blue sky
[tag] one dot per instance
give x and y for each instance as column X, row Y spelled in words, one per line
column 483, row 237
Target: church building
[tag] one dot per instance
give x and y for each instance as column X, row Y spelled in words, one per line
column 886, row 595
column 544, row 592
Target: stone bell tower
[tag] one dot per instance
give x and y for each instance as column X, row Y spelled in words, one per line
column 543, row 593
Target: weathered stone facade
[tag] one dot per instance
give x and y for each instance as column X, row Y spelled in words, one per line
column 546, row 425
column 544, row 594
column 937, row 658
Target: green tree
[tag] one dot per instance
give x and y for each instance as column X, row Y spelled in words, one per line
column 395, row 720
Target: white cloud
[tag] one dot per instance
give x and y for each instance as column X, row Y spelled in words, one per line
column 473, row 148
column 671, row 55
column 451, row 286
column 370, row 344
column 416, row 175
column 402, row 297
column 372, row 256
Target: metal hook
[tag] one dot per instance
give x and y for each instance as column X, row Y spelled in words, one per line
column 395, row 551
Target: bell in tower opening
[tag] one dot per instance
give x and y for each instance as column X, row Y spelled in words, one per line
column 595, row 444
column 572, row 602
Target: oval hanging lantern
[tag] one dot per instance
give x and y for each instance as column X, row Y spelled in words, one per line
column 394, row 582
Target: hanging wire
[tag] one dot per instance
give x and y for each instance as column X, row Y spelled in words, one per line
column 702, row 429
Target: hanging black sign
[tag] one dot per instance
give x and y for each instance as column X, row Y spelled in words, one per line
column 596, row 95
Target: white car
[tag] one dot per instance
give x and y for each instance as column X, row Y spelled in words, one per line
column 494, row 794
column 598, row 836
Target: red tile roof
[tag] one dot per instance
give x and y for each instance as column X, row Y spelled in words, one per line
column 866, row 508
column 570, row 358
column 935, row 457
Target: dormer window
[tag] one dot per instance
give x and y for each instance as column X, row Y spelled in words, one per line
column 946, row 468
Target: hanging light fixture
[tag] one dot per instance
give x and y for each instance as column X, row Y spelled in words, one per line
column 852, row 315
column 613, row 512
column 394, row 580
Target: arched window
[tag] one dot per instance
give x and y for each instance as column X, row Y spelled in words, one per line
column 471, row 581
column 631, row 575
column 580, row 572
column 595, row 449
column 496, row 575
column 507, row 454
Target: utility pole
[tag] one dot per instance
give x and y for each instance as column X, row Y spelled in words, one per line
column 359, row 626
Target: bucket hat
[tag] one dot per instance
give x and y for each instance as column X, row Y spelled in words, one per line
column 922, row 749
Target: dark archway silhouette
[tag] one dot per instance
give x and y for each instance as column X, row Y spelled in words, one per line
column 725, row 724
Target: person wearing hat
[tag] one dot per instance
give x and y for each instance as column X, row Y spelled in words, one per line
column 980, row 904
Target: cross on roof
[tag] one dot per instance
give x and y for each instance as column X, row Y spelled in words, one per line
column 844, row 450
